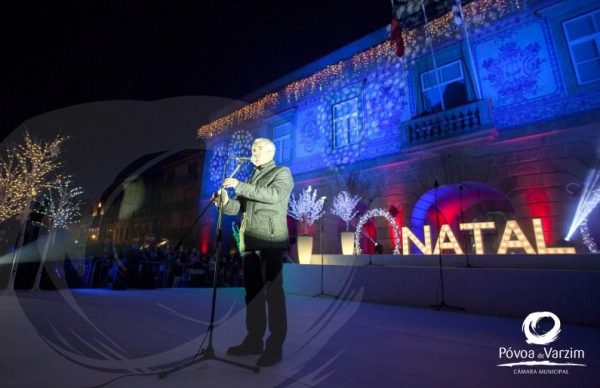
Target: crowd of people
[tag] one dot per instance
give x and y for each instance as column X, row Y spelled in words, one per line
column 134, row 266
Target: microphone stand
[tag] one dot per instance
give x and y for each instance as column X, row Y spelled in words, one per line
column 208, row 353
column 468, row 243
column 375, row 245
column 322, row 293
column 442, row 304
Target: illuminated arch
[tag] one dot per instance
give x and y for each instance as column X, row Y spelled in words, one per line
column 376, row 213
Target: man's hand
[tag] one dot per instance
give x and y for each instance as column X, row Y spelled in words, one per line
column 230, row 182
column 217, row 198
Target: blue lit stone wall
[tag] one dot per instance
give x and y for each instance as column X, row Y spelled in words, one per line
column 517, row 63
column 384, row 101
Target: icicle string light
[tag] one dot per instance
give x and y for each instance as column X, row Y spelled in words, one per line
column 478, row 14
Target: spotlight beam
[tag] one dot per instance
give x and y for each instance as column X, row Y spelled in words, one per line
column 590, row 197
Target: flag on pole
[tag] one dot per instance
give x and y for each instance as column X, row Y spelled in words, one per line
column 460, row 24
column 396, row 36
column 457, row 16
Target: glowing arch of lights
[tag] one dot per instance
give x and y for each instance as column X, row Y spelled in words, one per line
column 376, row 213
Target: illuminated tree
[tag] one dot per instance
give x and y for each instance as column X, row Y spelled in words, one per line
column 343, row 206
column 62, row 208
column 61, row 204
column 12, row 193
column 307, row 208
column 27, row 170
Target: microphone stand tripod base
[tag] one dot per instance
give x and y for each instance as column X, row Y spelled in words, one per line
column 443, row 306
column 206, row 355
column 327, row 295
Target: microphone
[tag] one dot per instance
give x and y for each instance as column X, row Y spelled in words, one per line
column 241, row 159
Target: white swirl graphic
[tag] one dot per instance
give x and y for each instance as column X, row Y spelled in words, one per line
column 530, row 328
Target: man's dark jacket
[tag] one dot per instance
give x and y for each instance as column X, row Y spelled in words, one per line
column 263, row 203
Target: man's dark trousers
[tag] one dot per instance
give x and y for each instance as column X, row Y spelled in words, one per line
column 263, row 281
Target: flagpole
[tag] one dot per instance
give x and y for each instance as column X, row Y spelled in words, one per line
column 478, row 93
column 437, row 76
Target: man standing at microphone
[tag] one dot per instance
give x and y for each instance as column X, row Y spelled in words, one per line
column 263, row 204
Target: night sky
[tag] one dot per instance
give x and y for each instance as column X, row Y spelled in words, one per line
column 58, row 54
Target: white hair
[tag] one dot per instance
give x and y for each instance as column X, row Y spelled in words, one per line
column 268, row 142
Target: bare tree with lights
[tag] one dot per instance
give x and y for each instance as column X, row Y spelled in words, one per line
column 343, row 206
column 307, row 208
column 12, row 194
column 30, row 168
column 61, row 206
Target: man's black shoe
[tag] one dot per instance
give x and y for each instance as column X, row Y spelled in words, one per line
column 268, row 359
column 243, row 350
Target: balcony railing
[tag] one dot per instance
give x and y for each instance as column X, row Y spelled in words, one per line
column 471, row 117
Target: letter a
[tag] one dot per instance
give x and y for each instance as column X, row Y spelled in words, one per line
column 452, row 243
column 512, row 228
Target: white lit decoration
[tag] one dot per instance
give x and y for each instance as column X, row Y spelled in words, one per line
column 376, row 213
column 343, row 206
column 477, row 14
column 25, row 172
column 307, row 208
column 588, row 240
column 61, row 205
column 12, row 194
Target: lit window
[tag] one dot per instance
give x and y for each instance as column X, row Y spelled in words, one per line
column 283, row 143
column 345, row 123
column 583, row 36
column 447, row 86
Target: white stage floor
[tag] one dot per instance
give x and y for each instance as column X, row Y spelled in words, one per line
column 84, row 338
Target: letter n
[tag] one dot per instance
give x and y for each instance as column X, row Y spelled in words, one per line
column 424, row 247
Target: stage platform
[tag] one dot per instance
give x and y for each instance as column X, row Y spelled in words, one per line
column 87, row 338
column 509, row 285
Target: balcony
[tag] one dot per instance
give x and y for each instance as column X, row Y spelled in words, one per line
column 468, row 118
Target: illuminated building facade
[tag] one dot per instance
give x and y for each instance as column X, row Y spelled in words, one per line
column 497, row 124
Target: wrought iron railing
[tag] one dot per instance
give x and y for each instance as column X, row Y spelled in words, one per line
column 464, row 119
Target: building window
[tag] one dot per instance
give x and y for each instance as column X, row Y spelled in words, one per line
column 446, row 89
column 345, row 123
column 583, row 36
column 283, row 143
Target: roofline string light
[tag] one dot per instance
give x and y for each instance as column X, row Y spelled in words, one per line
column 478, row 14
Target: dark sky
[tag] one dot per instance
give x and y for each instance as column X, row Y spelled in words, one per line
column 56, row 54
